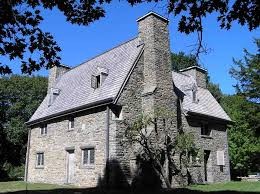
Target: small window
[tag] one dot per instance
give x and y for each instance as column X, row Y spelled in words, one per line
column 44, row 129
column 71, row 123
column 194, row 95
column 95, row 81
column 117, row 113
column 88, row 156
column 40, row 159
column 220, row 158
column 205, row 129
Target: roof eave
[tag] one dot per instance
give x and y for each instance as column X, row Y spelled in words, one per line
column 71, row 111
column 191, row 113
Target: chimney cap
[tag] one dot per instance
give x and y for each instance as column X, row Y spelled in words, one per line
column 154, row 14
column 194, row 67
column 62, row 65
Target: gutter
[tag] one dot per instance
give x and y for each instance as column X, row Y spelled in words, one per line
column 191, row 113
column 71, row 111
column 107, row 133
column 27, row 157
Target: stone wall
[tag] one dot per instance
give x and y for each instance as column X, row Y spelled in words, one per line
column 131, row 101
column 58, row 139
column 217, row 141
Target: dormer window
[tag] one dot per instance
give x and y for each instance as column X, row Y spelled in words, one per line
column 98, row 81
column 194, row 95
column 53, row 95
column 99, row 77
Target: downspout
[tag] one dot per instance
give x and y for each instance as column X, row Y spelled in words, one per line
column 27, row 158
column 107, row 147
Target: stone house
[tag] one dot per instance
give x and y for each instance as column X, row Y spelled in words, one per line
column 79, row 125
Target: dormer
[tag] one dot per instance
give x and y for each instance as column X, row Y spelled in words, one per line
column 98, row 77
column 53, row 94
column 198, row 73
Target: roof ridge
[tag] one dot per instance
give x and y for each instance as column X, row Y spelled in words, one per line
column 125, row 42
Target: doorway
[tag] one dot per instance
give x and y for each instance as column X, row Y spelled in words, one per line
column 206, row 165
column 70, row 166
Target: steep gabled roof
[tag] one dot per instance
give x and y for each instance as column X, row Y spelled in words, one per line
column 206, row 104
column 75, row 85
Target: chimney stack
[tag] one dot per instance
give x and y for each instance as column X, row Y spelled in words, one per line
column 55, row 73
column 158, row 84
column 198, row 73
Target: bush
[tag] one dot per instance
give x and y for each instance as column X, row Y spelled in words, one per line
column 14, row 172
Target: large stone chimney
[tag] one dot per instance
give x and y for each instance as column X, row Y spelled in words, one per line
column 55, row 73
column 158, row 84
column 198, row 73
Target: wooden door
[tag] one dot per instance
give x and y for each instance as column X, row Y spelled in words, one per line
column 70, row 166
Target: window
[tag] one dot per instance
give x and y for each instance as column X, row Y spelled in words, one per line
column 40, row 159
column 194, row 95
column 44, row 129
column 220, row 158
column 71, row 123
column 205, row 129
column 95, row 81
column 117, row 113
column 53, row 95
column 88, row 156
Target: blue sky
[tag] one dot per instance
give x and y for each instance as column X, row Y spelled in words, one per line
column 79, row 43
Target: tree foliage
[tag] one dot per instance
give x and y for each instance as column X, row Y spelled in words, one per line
column 153, row 135
column 247, row 73
column 19, row 97
column 22, row 38
column 243, row 134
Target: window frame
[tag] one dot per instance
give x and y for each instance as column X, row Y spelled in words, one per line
column 88, row 151
column 43, row 129
column 120, row 115
column 71, row 123
column 40, row 160
column 205, row 129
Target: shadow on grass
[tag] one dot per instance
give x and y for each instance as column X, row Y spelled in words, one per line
column 126, row 191
column 115, row 181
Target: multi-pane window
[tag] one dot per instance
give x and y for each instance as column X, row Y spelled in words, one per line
column 71, row 123
column 88, row 156
column 44, row 129
column 40, row 159
column 205, row 130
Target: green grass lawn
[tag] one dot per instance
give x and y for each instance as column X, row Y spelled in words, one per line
column 12, row 186
column 18, row 187
column 229, row 186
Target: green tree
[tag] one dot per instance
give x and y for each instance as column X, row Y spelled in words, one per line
column 159, row 145
column 247, row 73
column 244, row 143
column 19, row 97
column 181, row 61
column 22, row 38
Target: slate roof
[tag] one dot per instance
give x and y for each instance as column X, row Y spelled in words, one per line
column 76, row 91
column 75, row 85
column 206, row 104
